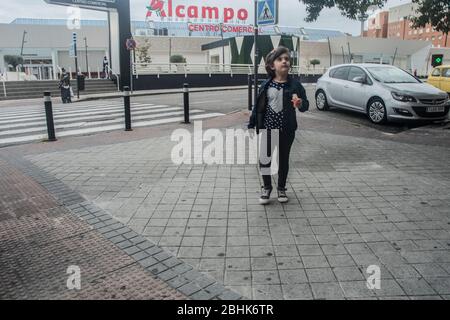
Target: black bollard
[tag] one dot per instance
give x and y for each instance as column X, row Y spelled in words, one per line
column 250, row 102
column 126, row 102
column 186, row 102
column 49, row 116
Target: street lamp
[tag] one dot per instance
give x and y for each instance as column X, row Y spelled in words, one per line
column 223, row 47
column 86, row 52
column 23, row 42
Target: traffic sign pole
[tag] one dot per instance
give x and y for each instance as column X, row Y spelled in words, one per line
column 74, row 39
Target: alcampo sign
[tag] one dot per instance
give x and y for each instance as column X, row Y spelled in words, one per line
column 183, row 10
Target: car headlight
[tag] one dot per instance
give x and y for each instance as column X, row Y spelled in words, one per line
column 403, row 97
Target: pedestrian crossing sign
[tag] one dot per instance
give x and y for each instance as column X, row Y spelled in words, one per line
column 267, row 12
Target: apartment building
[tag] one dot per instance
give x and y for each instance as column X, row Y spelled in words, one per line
column 396, row 24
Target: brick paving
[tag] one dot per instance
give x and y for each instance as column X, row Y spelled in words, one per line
column 355, row 202
column 40, row 239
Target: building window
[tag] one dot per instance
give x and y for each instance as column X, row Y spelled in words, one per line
column 428, row 30
column 421, row 31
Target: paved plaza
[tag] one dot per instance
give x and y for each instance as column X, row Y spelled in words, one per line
column 357, row 199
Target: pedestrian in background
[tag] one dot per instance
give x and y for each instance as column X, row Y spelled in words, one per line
column 106, row 67
column 275, row 109
column 64, row 85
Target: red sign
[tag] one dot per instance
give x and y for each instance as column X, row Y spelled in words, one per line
column 131, row 44
column 186, row 10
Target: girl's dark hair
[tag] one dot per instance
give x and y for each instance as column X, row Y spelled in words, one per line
column 274, row 55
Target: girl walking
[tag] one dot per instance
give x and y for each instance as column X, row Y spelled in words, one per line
column 278, row 99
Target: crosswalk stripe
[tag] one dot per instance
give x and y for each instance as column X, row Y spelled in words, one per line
column 82, row 113
column 40, row 137
column 86, row 124
column 40, row 111
column 86, row 118
column 27, row 126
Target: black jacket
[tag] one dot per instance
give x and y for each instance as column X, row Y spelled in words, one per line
column 289, row 116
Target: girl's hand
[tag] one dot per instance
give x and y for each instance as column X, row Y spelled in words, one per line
column 296, row 101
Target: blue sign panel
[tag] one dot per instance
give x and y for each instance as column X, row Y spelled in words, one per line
column 267, row 12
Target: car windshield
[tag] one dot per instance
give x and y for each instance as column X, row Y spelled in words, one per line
column 391, row 75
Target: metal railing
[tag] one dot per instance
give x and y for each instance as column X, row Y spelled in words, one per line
column 4, row 85
column 203, row 68
column 117, row 77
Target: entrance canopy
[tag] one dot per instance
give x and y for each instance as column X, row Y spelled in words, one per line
column 119, row 31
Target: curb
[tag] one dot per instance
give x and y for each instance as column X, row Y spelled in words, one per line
column 147, row 93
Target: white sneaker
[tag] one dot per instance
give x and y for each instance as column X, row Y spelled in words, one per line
column 282, row 197
column 265, row 196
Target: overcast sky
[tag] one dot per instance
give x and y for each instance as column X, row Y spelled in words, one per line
column 292, row 13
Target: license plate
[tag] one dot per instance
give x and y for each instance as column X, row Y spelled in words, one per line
column 435, row 109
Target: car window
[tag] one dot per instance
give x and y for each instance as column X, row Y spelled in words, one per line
column 446, row 73
column 391, row 75
column 436, row 73
column 356, row 72
column 341, row 73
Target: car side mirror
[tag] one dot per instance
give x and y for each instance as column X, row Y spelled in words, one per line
column 359, row 79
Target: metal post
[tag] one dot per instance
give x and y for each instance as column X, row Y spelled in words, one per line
column 76, row 67
column 126, row 101
column 395, row 55
column 86, row 52
column 49, row 116
column 186, row 102
column 250, row 102
column 223, row 47
column 23, row 42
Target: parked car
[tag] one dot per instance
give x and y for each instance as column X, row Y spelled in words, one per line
column 440, row 78
column 382, row 92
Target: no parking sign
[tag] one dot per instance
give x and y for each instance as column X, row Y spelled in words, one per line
column 131, row 44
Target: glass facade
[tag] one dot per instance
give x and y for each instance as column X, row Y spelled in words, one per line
column 181, row 29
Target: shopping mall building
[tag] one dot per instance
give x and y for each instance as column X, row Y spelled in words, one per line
column 44, row 44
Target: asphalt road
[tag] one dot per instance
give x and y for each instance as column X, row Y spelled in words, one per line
column 229, row 101
column 236, row 100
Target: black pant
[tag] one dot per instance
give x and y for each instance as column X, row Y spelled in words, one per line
column 286, row 138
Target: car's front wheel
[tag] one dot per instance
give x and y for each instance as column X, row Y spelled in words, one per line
column 321, row 101
column 376, row 111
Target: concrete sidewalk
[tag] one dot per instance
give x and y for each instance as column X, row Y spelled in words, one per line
column 355, row 202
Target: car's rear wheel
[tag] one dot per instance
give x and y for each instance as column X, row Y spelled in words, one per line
column 321, row 101
column 376, row 111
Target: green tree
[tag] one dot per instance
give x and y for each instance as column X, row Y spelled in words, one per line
column 177, row 58
column 142, row 52
column 14, row 61
column 433, row 12
column 314, row 62
column 352, row 9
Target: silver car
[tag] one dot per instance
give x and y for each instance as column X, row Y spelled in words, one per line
column 383, row 92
